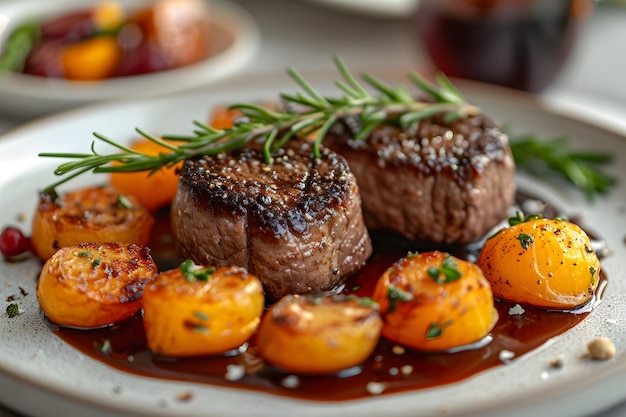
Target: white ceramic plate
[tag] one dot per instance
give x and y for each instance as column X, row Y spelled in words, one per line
column 376, row 8
column 39, row 372
column 234, row 36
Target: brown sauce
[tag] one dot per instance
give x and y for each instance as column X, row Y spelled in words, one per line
column 398, row 371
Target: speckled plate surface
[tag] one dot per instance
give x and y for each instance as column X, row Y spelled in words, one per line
column 39, row 372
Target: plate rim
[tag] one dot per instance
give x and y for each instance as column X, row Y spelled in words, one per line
column 528, row 100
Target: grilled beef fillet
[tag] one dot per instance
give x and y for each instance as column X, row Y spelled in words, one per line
column 296, row 224
column 446, row 183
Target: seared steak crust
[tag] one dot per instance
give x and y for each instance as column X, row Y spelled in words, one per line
column 296, row 224
column 445, row 183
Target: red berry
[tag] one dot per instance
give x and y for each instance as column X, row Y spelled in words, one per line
column 13, row 242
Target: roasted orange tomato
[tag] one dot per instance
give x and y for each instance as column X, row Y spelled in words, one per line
column 223, row 117
column 95, row 214
column 195, row 310
column 548, row 263
column 433, row 301
column 152, row 190
column 91, row 59
column 313, row 334
column 94, row 284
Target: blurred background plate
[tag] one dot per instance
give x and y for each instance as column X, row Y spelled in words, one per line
column 234, row 41
column 378, row 8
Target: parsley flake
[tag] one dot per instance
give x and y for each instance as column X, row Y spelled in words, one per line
column 395, row 294
column 13, row 310
column 201, row 315
column 124, row 202
column 447, row 272
column 521, row 218
column 195, row 273
column 434, row 331
column 104, row 347
column 594, row 273
column 525, row 239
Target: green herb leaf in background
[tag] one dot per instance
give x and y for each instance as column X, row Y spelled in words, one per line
column 17, row 47
column 581, row 168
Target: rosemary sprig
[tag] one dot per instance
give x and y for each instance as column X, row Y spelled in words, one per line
column 579, row 168
column 316, row 115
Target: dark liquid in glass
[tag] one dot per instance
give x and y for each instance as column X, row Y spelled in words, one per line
column 518, row 44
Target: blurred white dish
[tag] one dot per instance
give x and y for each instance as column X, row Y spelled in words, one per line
column 234, row 39
column 377, row 8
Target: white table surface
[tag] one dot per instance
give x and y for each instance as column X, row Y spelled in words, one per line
column 306, row 34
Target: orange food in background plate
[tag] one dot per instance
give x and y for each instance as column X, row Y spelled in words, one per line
column 108, row 14
column 93, row 214
column 92, row 59
column 433, row 301
column 94, row 284
column 98, row 57
column 199, row 310
column 152, row 190
column 548, row 263
column 107, row 41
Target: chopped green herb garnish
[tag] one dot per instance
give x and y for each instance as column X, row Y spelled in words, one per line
column 13, row 310
column 525, row 239
column 521, row 218
column 367, row 302
column 435, row 330
column 447, row 272
column 194, row 272
column 395, row 294
column 315, row 299
column 363, row 301
column 200, row 328
column 84, row 253
column 104, row 347
column 124, row 202
column 96, row 262
column 594, row 273
column 200, row 315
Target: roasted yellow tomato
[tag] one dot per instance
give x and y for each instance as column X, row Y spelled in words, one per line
column 547, row 263
column 91, row 59
column 312, row 334
column 96, row 214
column 223, row 117
column 108, row 15
column 152, row 190
column 94, row 284
column 194, row 310
column 433, row 301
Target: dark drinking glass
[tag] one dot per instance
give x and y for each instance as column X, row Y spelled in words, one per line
column 516, row 43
